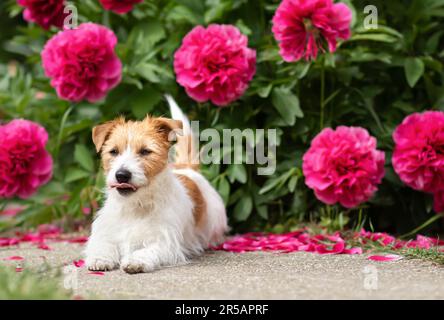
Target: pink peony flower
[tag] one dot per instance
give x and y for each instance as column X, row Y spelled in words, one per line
column 46, row 13
column 438, row 202
column 119, row 6
column 215, row 64
column 418, row 157
column 25, row 165
column 344, row 166
column 302, row 27
column 82, row 63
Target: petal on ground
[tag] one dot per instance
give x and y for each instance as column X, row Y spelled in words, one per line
column 356, row 250
column 79, row 263
column 81, row 239
column 14, row 258
column 6, row 242
column 43, row 246
column 388, row 257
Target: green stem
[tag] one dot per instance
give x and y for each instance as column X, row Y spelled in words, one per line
column 424, row 225
column 106, row 19
column 322, row 101
column 62, row 127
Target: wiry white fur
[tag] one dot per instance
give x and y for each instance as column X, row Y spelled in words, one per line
column 216, row 225
column 155, row 226
column 177, row 114
column 151, row 228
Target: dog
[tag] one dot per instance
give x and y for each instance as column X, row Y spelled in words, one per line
column 156, row 212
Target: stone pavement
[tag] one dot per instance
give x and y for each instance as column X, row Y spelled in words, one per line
column 223, row 275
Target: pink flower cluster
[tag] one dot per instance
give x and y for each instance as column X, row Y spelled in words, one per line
column 336, row 243
column 41, row 237
column 302, row 26
column 289, row 242
column 119, row 6
column 25, row 164
column 82, row 63
column 386, row 240
column 344, row 166
column 215, row 64
column 418, row 157
column 46, row 13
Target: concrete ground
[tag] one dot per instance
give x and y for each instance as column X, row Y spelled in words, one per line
column 223, row 275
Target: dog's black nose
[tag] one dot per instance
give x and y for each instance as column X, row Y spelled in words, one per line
column 123, row 176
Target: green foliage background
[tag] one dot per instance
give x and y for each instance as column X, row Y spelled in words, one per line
column 373, row 80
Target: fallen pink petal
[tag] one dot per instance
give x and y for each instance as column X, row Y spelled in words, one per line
column 355, row 250
column 96, row 273
column 6, row 242
column 43, row 246
column 11, row 212
column 81, row 239
column 303, row 241
column 386, row 258
column 79, row 263
column 14, row 258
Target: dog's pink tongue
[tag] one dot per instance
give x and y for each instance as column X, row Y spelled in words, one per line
column 123, row 186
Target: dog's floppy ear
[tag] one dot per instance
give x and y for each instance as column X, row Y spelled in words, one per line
column 169, row 127
column 101, row 132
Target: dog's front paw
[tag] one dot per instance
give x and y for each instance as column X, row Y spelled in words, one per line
column 97, row 264
column 132, row 266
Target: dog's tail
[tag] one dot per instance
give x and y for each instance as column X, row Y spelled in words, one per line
column 186, row 154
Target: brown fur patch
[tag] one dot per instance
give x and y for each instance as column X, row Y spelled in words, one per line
column 178, row 166
column 101, row 132
column 200, row 207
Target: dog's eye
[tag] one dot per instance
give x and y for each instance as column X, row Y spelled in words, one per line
column 144, row 152
column 114, row 152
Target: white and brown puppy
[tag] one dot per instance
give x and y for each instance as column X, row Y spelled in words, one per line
column 156, row 213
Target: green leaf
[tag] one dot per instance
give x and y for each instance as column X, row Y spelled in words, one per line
column 145, row 101
column 278, row 182
column 237, row 172
column 181, row 13
column 243, row 27
column 148, row 71
column 287, row 104
column 83, row 157
column 379, row 37
column 75, row 174
column 302, row 69
column 194, row 5
column 264, row 91
column 216, row 11
column 153, row 32
column 262, row 211
column 292, row 183
column 414, row 70
column 243, row 208
column 224, row 189
column 270, row 184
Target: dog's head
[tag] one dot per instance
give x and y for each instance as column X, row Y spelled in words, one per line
column 133, row 152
